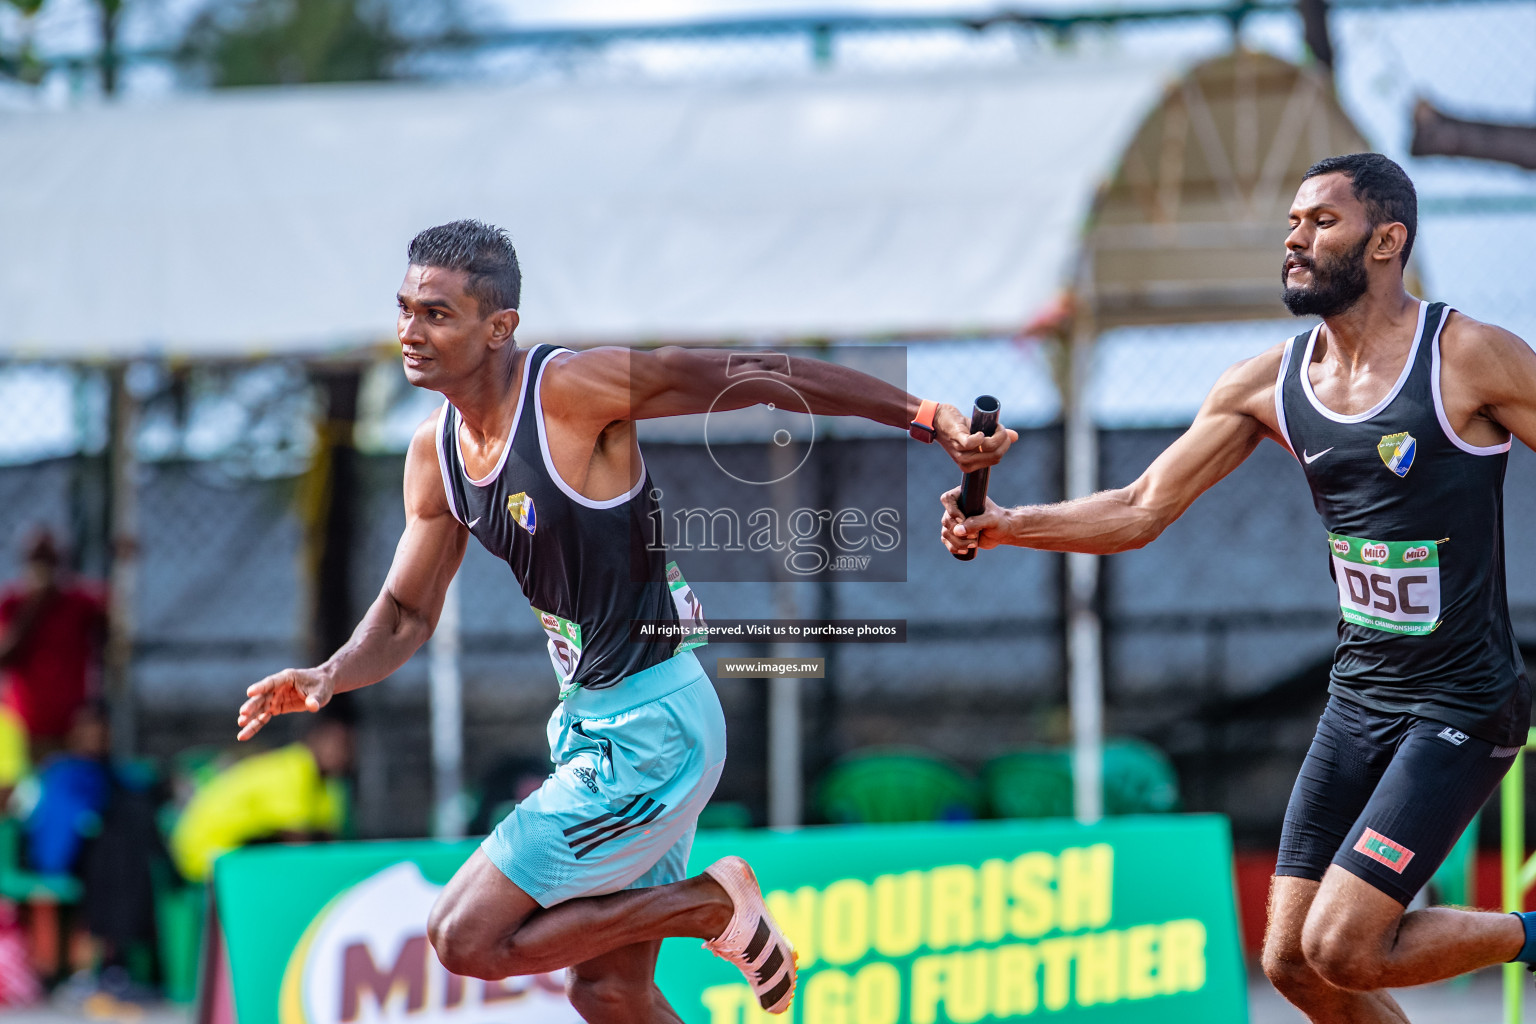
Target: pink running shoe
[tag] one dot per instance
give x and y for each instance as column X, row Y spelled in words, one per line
column 753, row 941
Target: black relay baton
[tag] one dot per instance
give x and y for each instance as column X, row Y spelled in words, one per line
column 973, row 487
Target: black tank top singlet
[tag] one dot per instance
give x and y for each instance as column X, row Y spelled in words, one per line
column 1415, row 520
column 584, row 565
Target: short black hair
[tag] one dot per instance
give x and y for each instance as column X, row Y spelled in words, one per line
column 483, row 251
column 1379, row 183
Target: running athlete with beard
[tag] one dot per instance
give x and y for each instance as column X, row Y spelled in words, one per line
column 1401, row 413
column 534, row 454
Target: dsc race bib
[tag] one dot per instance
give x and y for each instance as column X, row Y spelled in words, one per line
column 564, row 648
column 690, row 613
column 565, row 635
column 1393, row 586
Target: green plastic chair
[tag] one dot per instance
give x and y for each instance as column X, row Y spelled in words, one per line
column 1138, row 778
column 1453, row 884
column 1037, row 782
column 1034, row 783
column 47, row 895
column 24, row 886
column 725, row 815
column 179, row 914
column 886, row 784
column 1454, row 879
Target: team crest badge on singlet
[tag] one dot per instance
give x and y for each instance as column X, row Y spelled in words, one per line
column 520, row 506
column 1396, row 451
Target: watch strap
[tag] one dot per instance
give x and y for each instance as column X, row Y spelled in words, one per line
column 921, row 427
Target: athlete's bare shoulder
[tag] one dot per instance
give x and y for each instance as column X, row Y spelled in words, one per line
column 1256, row 372
column 1485, row 356
column 424, row 493
column 1247, row 388
column 594, row 383
column 1487, row 382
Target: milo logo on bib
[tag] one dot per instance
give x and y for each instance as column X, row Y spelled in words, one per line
column 690, row 613
column 1393, row 586
column 564, row 648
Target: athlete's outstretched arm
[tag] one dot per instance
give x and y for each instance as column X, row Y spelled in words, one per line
column 614, row 384
column 400, row 619
column 1231, row 423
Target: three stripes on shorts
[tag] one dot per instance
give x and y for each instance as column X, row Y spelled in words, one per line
column 593, row 833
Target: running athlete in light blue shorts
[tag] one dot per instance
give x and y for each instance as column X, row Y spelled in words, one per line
column 634, row 765
column 534, row 453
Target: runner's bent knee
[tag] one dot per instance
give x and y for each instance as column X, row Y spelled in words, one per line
column 1341, row 956
column 475, row 951
column 456, row 948
column 469, row 945
column 474, row 919
column 1291, row 976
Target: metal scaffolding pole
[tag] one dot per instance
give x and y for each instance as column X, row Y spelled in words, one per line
column 1085, row 665
column 123, row 563
column 786, row 778
column 447, row 686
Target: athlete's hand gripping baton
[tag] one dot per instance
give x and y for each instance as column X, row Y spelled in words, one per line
column 973, row 487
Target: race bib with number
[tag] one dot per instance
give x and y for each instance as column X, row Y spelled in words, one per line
column 1393, row 586
column 690, row 613
column 564, row 648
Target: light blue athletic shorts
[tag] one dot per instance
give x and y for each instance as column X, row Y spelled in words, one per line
column 634, row 766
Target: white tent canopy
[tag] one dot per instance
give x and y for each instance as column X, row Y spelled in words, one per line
column 275, row 221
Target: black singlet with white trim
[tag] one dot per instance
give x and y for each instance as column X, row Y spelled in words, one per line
column 583, row 564
column 1415, row 518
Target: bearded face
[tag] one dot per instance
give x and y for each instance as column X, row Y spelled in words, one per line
column 1337, row 282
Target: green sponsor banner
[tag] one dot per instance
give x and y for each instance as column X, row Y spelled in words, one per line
column 336, row 933
column 1129, row 920
column 1132, row 919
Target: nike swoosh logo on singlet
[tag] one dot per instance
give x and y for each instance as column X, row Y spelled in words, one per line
column 1308, row 459
column 472, row 522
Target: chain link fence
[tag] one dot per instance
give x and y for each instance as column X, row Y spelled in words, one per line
column 1217, row 637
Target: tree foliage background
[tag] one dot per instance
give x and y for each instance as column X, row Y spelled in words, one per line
column 258, row 42
column 287, row 42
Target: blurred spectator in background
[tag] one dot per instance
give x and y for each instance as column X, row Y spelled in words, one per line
column 96, row 820
column 15, row 762
column 51, row 630
column 72, row 788
column 293, row 793
column 118, row 867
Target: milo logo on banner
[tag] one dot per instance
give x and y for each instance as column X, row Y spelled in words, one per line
column 1393, row 586
column 365, row 958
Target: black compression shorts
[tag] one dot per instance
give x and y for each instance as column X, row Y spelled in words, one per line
column 1385, row 797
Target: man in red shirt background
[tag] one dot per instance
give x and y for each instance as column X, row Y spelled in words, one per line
column 51, row 631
